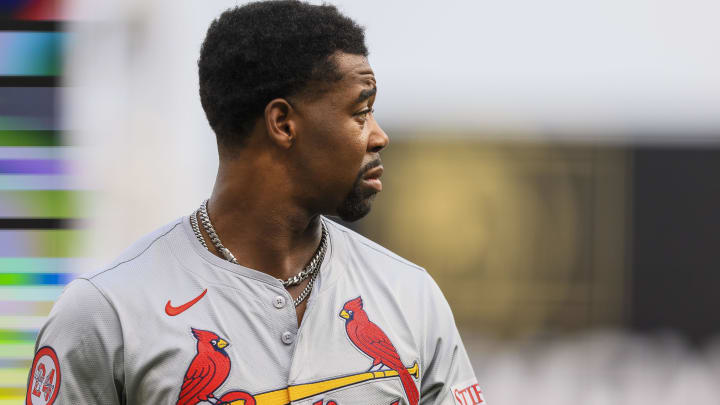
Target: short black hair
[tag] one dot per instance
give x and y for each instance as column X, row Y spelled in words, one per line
column 265, row 50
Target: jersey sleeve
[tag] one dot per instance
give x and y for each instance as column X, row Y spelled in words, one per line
column 449, row 377
column 81, row 346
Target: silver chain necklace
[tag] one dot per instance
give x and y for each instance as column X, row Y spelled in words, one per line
column 311, row 270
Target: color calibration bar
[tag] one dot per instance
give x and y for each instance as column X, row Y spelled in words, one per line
column 39, row 218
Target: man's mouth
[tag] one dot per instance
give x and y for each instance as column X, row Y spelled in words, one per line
column 372, row 178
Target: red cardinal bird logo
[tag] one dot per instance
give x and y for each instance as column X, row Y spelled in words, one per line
column 371, row 340
column 207, row 371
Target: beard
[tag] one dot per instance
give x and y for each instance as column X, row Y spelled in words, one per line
column 359, row 200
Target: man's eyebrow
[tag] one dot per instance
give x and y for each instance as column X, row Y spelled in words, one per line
column 366, row 94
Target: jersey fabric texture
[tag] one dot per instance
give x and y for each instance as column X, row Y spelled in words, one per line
column 170, row 323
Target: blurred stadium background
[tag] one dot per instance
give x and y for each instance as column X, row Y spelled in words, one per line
column 554, row 165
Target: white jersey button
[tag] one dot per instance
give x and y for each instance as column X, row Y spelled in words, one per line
column 287, row 338
column 279, row 302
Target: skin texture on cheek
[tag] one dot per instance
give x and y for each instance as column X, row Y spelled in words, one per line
column 345, row 158
column 329, row 156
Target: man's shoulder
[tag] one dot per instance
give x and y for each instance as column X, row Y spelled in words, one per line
column 367, row 248
column 137, row 254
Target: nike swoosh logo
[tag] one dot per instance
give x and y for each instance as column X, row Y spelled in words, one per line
column 172, row 311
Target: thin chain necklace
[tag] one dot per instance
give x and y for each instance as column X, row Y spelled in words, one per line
column 311, row 270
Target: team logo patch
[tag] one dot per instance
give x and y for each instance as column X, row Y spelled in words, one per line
column 468, row 393
column 207, row 371
column 44, row 379
column 371, row 340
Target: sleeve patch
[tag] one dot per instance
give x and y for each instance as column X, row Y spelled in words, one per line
column 44, row 380
column 468, row 393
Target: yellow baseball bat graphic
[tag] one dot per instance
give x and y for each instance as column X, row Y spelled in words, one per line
column 284, row 396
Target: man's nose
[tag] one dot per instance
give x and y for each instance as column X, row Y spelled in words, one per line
column 378, row 138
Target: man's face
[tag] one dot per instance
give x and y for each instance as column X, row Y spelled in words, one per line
column 339, row 142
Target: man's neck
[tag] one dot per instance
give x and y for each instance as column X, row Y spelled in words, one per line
column 261, row 226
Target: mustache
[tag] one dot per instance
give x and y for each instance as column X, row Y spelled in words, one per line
column 370, row 165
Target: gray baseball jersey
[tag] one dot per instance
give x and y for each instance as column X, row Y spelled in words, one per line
column 170, row 323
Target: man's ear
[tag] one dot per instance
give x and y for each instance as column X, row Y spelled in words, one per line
column 279, row 123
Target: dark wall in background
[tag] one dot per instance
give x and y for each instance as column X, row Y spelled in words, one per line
column 676, row 243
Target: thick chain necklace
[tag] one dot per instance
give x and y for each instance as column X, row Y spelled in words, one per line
column 310, row 271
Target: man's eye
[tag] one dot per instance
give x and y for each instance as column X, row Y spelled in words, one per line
column 364, row 113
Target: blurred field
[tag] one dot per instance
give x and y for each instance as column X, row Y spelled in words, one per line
column 594, row 368
column 524, row 238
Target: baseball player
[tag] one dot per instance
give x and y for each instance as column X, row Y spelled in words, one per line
column 256, row 298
